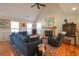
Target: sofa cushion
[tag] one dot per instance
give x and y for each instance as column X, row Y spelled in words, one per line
column 24, row 38
column 21, row 37
column 23, row 33
column 33, row 38
column 60, row 36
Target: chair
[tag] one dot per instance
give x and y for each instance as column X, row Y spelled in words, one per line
column 34, row 31
column 55, row 42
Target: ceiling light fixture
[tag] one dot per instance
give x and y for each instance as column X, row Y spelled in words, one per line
column 74, row 8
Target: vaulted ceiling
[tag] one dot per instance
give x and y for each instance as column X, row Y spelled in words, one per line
column 24, row 10
column 67, row 8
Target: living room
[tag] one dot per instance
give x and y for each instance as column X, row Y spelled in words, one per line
column 43, row 20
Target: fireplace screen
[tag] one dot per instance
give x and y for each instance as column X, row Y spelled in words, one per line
column 48, row 33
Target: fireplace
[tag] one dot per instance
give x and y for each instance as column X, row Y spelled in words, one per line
column 48, row 33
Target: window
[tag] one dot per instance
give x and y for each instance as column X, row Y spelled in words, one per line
column 14, row 26
column 39, row 28
column 29, row 28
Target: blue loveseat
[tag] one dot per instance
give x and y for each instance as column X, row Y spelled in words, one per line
column 26, row 45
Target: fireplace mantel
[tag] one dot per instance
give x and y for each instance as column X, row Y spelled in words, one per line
column 50, row 28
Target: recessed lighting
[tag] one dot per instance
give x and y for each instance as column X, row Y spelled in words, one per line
column 74, row 8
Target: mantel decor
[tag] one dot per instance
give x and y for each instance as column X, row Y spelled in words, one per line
column 4, row 23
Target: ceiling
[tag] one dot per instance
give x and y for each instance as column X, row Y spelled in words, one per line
column 24, row 10
column 67, row 8
column 20, row 10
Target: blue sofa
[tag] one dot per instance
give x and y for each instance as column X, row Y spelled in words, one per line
column 26, row 45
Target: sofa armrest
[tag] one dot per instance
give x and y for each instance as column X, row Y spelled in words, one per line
column 30, row 43
column 32, row 47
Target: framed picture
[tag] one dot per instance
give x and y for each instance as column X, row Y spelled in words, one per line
column 4, row 23
column 49, row 21
column 23, row 24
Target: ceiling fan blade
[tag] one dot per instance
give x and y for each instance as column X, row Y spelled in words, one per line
column 33, row 6
column 38, row 7
column 37, row 3
column 42, row 5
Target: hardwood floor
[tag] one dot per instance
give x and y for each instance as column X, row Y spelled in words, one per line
column 6, row 49
column 64, row 50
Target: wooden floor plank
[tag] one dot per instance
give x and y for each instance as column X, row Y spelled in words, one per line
column 66, row 50
column 6, row 49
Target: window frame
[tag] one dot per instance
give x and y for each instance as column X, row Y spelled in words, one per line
column 29, row 31
column 39, row 28
column 15, row 27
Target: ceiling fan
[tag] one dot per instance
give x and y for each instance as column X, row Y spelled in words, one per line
column 38, row 5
